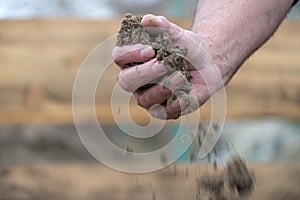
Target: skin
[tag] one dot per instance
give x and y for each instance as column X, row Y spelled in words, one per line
column 224, row 34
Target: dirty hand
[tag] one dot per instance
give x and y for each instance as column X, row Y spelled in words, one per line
column 207, row 76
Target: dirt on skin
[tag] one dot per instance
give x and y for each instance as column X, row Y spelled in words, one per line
column 233, row 183
column 172, row 56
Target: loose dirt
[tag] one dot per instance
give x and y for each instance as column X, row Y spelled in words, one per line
column 234, row 182
column 172, row 56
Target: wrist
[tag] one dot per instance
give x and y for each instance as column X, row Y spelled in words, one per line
column 222, row 54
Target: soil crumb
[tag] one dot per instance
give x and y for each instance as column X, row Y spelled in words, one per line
column 172, row 56
column 233, row 183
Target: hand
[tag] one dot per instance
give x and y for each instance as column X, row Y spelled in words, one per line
column 206, row 75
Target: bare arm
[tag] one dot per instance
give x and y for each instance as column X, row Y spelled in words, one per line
column 226, row 32
column 234, row 29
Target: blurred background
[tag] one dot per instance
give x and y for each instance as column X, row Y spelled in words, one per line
column 42, row 45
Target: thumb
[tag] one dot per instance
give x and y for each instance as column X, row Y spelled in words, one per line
column 197, row 54
column 158, row 24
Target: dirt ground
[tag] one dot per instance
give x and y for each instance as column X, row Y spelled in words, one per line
column 49, row 162
column 93, row 181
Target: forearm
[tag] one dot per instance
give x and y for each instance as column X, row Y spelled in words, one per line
column 234, row 29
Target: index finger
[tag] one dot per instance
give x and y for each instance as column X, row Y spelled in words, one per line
column 136, row 53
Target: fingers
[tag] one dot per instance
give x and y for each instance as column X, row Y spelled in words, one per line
column 158, row 93
column 158, row 24
column 177, row 107
column 183, row 104
column 197, row 53
column 152, row 98
column 137, row 53
column 130, row 79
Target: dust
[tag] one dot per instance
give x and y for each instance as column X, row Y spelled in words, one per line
column 172, row 56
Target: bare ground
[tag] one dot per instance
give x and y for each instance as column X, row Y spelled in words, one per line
column 93, row 181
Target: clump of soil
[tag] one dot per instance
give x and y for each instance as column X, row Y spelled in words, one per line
column 233, row 183
column 239, row 177
column 172, row 56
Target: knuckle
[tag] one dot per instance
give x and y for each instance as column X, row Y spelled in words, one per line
column 163, row 18
column 177, row 33
column 164, row 91
column 143, row 73
column 122, row 80
column 173, row 115
column 173, row 111
column 143, row 101
column 116, row 54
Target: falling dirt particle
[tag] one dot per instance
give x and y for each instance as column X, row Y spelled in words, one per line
column 199, row 140
column 129, row 151
column 150, row 186
column 153, row 196
column 186, row 172
column 163, row 158
column 174, row 170
column 215, row 150
column 209, row 158
column 192, row 157
column 239, row 176
column 4, row 172
column 215, row 165
column 136, row 181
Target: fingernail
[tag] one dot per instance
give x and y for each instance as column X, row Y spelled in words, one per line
column 159, row 68
column 147, row 53
column 158, row 111
column 177, row 81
